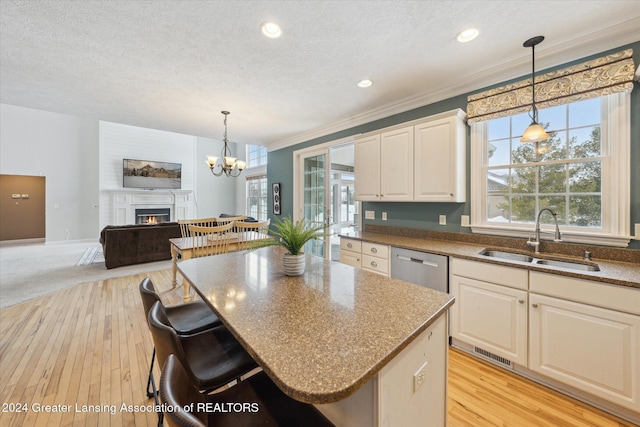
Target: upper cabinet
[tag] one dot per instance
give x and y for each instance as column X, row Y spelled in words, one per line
column 423, row 161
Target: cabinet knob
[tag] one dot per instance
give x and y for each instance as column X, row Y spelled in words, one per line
column 349, row 245
column 534, row 305
column 521, row 301
column 374, row 250
column 451, row 194
column 374, row 264
column 358, row 259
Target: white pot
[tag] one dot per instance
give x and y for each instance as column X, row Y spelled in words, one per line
column 293, row 264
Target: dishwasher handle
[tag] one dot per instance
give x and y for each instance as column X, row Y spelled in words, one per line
column 419, row 261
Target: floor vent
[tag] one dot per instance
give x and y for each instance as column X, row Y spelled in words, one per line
column 485, row 353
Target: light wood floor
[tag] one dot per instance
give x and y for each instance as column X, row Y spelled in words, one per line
column 89, row 345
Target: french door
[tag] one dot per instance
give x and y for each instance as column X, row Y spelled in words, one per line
column 314, row 179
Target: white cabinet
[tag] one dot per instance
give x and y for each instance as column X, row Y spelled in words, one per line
column 385, row 166
column 439, row 161
column 591, row 348
column 423, row 160
column 368, row 256
column 350, row 252
column 490, row 316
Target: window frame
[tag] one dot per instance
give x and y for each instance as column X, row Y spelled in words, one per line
column 615, row 140
column 248, row 180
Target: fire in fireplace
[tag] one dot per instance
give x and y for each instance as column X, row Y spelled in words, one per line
column 153, row 216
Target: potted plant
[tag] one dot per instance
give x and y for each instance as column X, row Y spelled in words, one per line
column 292, row 236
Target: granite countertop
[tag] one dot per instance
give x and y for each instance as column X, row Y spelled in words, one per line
column 319, row 336
column 612, row 272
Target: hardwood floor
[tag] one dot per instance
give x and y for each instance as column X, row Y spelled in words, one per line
column 86, row 349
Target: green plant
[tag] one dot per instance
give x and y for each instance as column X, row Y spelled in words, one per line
column 292, row 235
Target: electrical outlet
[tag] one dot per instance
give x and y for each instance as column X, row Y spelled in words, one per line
column 384, row 216
column 419, row 377
column 369, row 214
column 443, row 220
column 464, row 220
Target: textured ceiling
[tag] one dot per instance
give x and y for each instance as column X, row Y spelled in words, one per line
column 174, row 65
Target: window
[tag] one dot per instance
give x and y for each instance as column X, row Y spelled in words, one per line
column 257, row 197
column 580, row 172
column 256, row 156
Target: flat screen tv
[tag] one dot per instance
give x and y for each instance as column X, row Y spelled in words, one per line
column 151, row 175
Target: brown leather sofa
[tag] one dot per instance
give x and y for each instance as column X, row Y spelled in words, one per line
column 137, row 243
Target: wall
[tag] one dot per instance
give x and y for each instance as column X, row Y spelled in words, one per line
column 214, row 194
column 64, row 149
column 425, row 215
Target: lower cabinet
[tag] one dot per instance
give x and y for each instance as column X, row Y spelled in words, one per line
column 371, row 257
column 490, row 317
column 593, row 349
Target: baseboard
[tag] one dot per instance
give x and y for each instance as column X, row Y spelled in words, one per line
column 21, row 242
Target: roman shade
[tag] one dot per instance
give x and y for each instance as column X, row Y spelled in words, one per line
column 602, row 76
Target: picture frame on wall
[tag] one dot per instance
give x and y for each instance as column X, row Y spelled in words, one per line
column 276, row 199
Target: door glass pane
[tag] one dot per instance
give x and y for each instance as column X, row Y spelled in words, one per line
column 314, row 199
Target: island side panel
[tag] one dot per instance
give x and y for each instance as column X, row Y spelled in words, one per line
column 392, row 398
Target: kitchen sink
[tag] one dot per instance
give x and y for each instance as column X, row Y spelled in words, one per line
column 514, row 256
column 510, row 256
column 569, row 265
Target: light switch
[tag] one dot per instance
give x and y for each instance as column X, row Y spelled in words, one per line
column 384, row 216
column 464, row 220
column 443, row 220
column 25, row 196
column 15, row 196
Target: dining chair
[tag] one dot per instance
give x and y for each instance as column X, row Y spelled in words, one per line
column 221, row 220
column 268, row 405
column 186, row 319
column 212, row 358
column 201, row 222
column 249, row 232
column 207, row 241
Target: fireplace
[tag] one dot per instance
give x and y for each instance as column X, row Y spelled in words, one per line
column 153, row 216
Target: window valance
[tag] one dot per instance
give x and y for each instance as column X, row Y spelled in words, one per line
column 603, row 76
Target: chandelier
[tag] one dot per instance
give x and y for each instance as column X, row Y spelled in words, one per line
column 535, row 132
column 228, row 165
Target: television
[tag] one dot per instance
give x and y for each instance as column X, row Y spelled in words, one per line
column 151, row 175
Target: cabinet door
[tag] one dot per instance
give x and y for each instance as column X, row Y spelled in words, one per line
column 439, row 163
column 590, row 348
column 350, row 258
column 491, row 317
column 396, row 165
column 367, row 168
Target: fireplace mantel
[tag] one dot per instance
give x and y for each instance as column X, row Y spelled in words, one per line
column 126, row 201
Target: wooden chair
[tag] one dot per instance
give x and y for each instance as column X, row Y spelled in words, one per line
column 249, row 232
column 207, row 241
column 228, row 219
column 201, row 222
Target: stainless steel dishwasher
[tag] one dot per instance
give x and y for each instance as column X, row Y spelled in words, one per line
column 420, row 268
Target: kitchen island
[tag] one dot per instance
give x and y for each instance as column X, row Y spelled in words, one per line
column 365, row 349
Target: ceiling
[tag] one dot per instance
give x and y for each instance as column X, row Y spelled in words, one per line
column 174, row 65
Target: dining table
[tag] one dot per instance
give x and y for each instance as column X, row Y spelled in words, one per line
column 182, row 248
column 365, row 349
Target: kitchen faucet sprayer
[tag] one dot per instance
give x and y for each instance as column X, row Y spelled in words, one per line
column 557, row 238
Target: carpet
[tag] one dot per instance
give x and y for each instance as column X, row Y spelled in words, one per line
column 91, row 256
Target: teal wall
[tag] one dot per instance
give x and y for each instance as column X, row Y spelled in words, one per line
column 426, row 215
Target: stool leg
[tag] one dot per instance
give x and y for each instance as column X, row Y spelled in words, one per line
column 150, row 379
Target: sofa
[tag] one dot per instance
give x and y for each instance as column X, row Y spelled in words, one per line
column 137, row 243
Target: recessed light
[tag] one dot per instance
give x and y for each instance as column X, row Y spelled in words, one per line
column 271, row 29
column 467, row 35
column 365, row 83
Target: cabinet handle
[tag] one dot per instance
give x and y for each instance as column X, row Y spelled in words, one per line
column 534, row 305
column 521, row 301
column 358, row 259
column 349, row 245
column 374, row 250
column 374, row 264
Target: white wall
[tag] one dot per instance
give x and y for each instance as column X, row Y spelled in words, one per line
column 64, row 149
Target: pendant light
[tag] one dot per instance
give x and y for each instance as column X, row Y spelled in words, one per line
column 535, row 132
column 228, row 165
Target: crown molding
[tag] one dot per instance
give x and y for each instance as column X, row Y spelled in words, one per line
column 581, row 47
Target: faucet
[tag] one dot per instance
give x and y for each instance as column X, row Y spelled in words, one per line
column 557, row 238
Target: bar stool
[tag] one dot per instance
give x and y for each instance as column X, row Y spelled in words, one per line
column 258, row 400
column 185, row 319
column 212, row 358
